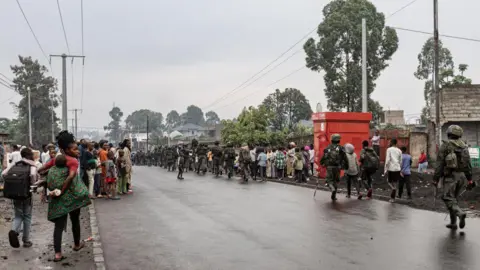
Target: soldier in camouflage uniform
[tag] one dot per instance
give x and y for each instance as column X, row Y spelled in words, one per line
column 334, row 159
column 184, row 154
column 229, row 158
column 202, row 150
column 217, row 157
column 244, row 160
column 453, row 164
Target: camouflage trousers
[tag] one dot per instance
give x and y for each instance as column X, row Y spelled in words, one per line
column 245, row 171
column 453, row 186
column 332, row 178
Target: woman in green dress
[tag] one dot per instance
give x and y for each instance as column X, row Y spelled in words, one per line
column 69, row 194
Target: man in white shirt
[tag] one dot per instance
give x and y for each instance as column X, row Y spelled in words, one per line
column 15, row 155
column 376, row 142
column 311, row 153
column 45, row 154
column 393, row 166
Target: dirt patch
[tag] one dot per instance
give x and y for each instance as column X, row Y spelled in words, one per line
column 41, row 254
column 422, row 192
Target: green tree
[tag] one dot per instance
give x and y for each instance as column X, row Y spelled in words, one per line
column 250, row 127
column 114, row 129
column 194, row 115
column 339, row 51
column 10, row 127
column 212, row 118
column 287, row 107
column 31, row 75
column 460, row 78
column 274, row 104
column 296, row 106
column 173, row 120
column 425, row 68
column 137, row 121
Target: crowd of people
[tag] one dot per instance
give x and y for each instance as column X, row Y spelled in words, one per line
column 68, row 174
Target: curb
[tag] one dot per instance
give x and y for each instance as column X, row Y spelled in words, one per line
column 97, row 244
column 323, row 188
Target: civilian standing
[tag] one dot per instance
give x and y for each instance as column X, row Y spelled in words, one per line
column 393, row 166
column 262, row 164
column 405, row 174
column 103, row 155
column 376, row 142
column 280, row 163
column 312, row 159
column 422, row 162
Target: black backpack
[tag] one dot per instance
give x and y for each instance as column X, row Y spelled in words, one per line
column 17, row 182
column 371, row 161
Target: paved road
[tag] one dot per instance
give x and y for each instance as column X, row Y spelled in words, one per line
column 208, row 223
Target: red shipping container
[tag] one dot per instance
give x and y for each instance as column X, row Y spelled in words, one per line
column 352, row 126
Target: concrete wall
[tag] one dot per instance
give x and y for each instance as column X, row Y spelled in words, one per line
column 393, row 117
column 418, row 143
column 471, row 131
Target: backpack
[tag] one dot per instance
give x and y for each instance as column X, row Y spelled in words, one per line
column 457, row 158
column 229, row 154
column 216, row 151
column 246, row 156
column 17, row 182
column 332, row 156
column 371, row 161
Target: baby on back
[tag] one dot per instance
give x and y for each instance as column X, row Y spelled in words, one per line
column 58, row 173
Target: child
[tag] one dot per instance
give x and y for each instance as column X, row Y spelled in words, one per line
column 111, row 177
column 298, row 165
column 262, row 163
column 122, row 173
column 280, row 163
column 352, row 173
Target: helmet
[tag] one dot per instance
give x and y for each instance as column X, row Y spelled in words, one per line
column 455, row 130
column 217, row 143
column 335, row 138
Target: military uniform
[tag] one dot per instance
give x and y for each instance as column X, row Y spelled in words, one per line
column 183, row 156
column 244, row 161
column 334, row 159
column 202, row 158
column 453, row 164
column 217, row 157
column 229, row 158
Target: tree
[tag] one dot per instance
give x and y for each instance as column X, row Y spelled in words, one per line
column 173, row 120
column 339, row 51
column 31, row 75
column 296, row 106
column 137, row 121
column 273, row 103
column 425, row 68
column 288, row 108
column 212, row 118
column 114, row 126
column 460, row 78
column 250, row 127
column 194, row 115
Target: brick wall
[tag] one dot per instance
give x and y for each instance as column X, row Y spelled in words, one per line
column 459, row 103
column 471, row 131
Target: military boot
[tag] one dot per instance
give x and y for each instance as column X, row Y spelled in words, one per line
column 453, row 222
column 461, row 215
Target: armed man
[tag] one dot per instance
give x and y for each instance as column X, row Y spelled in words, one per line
column 453, row 164
column 334, row 159
column 217, row 157
column 229, row 158
column 202, row 158
column 184, row 154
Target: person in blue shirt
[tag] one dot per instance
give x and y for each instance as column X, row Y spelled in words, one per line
column 262, row 163
column 405, row 174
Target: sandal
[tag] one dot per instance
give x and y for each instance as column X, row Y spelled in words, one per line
column 59, row 259
column 82, row 245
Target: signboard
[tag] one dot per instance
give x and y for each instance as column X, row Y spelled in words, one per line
column 474, row 153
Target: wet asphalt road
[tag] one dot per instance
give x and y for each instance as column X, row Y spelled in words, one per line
column 207, row 223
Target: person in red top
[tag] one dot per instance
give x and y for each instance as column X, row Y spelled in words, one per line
column 103, row 155
column 422, row 162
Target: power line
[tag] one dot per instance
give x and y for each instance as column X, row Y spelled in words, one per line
column 255, row 92
column 401, row 9
column 6, row 78
column 7, row 85
column 31, row 30
column 429, row 33
column 63, row 26
column 263, row 69
column 10, row 98
column 242, row 86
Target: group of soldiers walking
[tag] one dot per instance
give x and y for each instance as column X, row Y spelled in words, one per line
column 190, row 157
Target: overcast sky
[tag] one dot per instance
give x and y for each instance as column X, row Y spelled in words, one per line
column 163, row 55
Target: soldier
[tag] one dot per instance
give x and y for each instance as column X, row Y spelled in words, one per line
column 217, row 156
column 453, row 164
column 202, row 158
column 183, row 153
column 244, row 160
column 169, row 157
column 334, row 159
column 229, row 158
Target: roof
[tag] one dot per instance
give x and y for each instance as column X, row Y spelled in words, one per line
column 188, row 127
column 459, row 103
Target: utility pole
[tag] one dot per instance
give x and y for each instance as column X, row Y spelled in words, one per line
column 29, row 116
column 53, row 119
column 147, row 130
column 364, row 66
column 64, row 86
column 75, row 127
column 436, row 88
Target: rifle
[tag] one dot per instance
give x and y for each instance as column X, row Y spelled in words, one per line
column 315, row 192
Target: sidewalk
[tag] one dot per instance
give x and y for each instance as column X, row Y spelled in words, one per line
column 40, row 256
